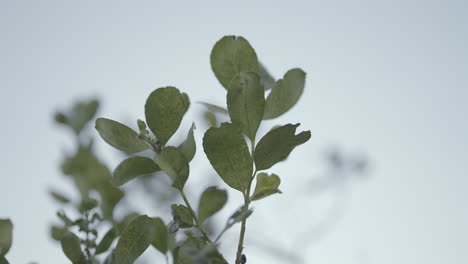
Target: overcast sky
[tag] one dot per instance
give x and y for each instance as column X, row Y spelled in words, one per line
column 384, row 78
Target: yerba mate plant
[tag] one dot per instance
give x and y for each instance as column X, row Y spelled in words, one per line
column 235, row 150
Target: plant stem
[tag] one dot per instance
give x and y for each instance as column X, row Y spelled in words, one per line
column 87, row 250
column 240, row 246
column 220, row 235
column 197, row 222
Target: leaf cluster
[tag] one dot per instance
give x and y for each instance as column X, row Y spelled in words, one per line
column 252, row 96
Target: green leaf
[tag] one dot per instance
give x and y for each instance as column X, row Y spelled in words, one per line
column 110, row 197
column 211, row 118
column 214, row 108
column 6, row 236
column 188, row 147
column 266, row 79
column 83, row 112
column 134, row 240
column 79, row 116
column 87, row 171
column 133, row 167
column 72, row 248
column 59, row 197
column 161, row 236
column 229, row 155
column 164, row 110
column 285, row 94
column 57, row 233
column 246, row 102
column 173, row 162
column 276, row 145
column 106, row 241
column 110, row 258
column 3, row 260
column 122, row 225
column 186, row 100
column 182, row 216
column 65, row 219
column 196, row 250
column 88, row 204
column 211, row 201
column 230, row 56
column 266, row 185
column 120, row 136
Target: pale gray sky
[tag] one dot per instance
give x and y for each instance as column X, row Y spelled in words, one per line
column 386, row 78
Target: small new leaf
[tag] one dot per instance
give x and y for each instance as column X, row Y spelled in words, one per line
column 133, row 167
column 266, row 185
column 276, row 145
column 285, row 94
column 246, row 102
column 188, row 147
column 134, row 240
column 161, row 236
column 174, row 163
column 211, row 201
column 120, row 136
column 72, row 248
column 164, row 110
column 230, row 56
column 6, row 236
column 229, row 155
column 182, row 216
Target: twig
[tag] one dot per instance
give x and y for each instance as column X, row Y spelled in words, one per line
column 197, row 222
